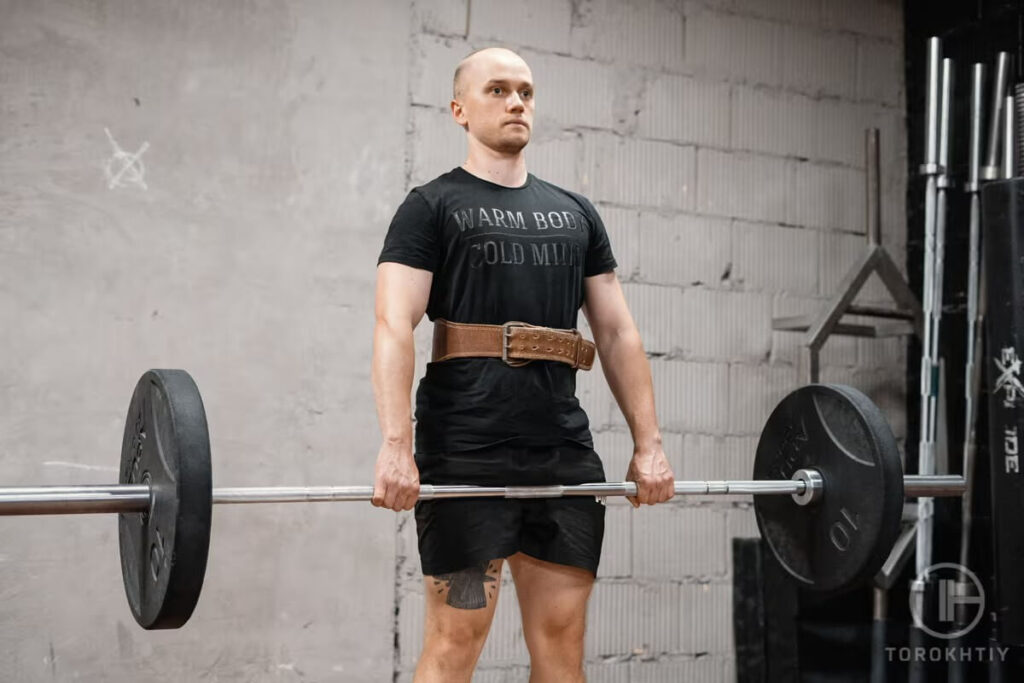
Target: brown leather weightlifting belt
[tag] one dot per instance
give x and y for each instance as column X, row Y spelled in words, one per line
column 515, row 342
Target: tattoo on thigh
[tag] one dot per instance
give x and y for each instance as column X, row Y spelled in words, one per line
column 469, row 588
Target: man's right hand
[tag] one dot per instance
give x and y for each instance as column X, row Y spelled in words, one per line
column 396, row 481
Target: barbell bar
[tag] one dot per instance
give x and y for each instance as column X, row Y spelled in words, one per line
column 117, row 498
column 828, row 492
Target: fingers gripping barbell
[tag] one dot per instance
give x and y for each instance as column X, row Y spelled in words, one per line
column 828, row 492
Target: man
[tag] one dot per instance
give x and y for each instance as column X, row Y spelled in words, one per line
column 478, row 247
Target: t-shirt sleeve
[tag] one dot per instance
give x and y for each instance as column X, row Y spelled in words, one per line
column 412, row 238
column 599, row 257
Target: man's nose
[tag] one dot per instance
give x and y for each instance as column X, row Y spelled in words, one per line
column 515, row 102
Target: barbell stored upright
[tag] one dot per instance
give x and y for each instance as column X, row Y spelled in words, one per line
column 828, row 492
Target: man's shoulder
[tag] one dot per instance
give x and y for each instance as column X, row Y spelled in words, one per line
column 584, row 203
column 436, row 188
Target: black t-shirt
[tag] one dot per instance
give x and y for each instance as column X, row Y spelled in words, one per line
column 499, row 254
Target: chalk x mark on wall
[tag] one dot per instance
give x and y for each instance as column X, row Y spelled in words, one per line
column 124, row 168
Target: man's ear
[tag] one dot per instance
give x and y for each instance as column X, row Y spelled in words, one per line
column 458, row 113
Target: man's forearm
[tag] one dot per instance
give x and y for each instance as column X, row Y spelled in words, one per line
column 629, row 377
column 392, row 373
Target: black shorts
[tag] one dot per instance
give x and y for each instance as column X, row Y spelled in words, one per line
column 458, row 533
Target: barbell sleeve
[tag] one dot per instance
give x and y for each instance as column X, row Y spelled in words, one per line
column 71, row 500
column 74, row 500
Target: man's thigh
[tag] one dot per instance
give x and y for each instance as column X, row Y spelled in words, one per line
column 552, row 597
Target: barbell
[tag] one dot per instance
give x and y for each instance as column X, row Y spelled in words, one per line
column 828, row 492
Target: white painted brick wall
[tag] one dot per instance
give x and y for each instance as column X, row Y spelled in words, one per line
column 434, row 59
column 410, row 624
column 894, row 180
column 722, row 325
column 572, row 92
column 683, row 249
column 538, row 24
column 638, row 172
column 639, row 32
column 607, row 672
column 742, row 185
column 685, row 110
column 659, row 313
column 829, row 197
column 732, row 47
column 882, row 18
column 690, row 397
column 708, row 457
column 616, row 449
column 447, row 17
column 818, row 63
column 707, row 619
column 741, row 521
column 407, row 550
column 699, row 670
column 880, row 71
column 438, row 144
column 594, row 395
column 695, row 546
column 774, row 259
column 632, row 618
column 754, row 391
column 774, row 122
column 623, row 228
column 555, row 159
column 840, row 131
column 790, row 11
column 617, row 552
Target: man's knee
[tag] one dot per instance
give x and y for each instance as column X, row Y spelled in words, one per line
column 454, row 645
column 563, row 632
column 556, row 650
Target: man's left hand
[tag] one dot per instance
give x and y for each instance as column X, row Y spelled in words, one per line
column 655, row 481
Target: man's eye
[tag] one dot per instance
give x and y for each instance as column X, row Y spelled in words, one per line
column 496, row 90
column 527, row 93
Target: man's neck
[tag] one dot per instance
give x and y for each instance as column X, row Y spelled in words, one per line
column 500, row 169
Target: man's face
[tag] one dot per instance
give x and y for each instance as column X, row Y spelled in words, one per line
column 494, row 102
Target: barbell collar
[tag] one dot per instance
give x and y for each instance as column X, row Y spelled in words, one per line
column 814, row 486
column 126, row 498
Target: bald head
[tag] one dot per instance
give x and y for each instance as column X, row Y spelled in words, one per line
column 480, row 63
column 493, row 99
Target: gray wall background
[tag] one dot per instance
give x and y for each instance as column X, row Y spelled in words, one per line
column 207, row 186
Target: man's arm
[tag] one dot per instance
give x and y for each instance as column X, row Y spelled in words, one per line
column 402, row 294
column 629, row 376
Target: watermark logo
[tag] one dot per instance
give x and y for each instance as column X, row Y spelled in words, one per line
column 957, row 588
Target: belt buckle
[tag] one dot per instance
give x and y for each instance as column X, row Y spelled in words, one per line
column 506, row 337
